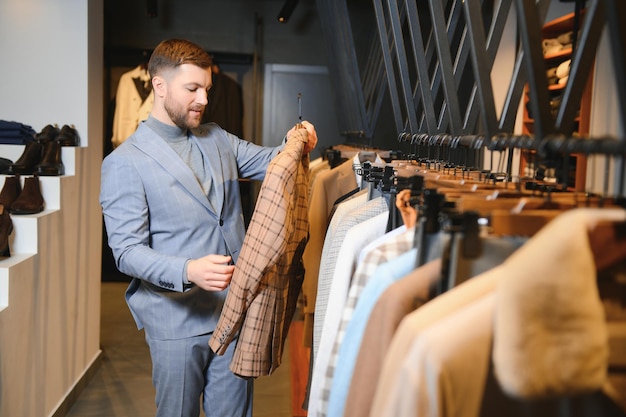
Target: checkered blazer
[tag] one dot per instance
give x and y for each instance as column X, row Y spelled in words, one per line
column 268, row 276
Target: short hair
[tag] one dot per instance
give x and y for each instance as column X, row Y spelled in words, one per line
column 171, row 53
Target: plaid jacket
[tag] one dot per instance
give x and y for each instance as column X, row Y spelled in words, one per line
column 268, row 276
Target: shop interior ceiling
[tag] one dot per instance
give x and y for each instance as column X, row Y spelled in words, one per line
column 434, row 59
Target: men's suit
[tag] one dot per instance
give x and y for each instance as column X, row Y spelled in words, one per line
column 148, row 197
column 158, row 217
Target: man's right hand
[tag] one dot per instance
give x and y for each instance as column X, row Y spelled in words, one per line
column 211, row 272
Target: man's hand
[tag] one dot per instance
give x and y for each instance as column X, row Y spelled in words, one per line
column 312, row 135
column 407, row 211
column 211, row 272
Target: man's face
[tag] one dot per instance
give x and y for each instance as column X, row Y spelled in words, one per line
column 186, row 97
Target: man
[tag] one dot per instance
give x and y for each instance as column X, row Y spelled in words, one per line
column 172, row 210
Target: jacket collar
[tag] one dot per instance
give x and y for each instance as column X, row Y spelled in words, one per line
column 155, row 147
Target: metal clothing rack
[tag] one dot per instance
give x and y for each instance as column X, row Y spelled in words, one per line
column 438, row 56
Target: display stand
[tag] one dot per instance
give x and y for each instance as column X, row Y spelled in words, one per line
column 556, row 58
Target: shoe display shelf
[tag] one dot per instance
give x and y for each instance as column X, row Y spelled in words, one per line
column 557, row 56
column 30, row 231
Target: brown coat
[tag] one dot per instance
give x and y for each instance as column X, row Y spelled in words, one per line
column 268, row 276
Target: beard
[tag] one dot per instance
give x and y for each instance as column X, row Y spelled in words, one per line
column 181, row 115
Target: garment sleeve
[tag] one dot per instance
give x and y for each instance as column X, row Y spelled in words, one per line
column 126, row 217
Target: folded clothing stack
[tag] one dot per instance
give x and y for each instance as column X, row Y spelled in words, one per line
column 15, row 133
column 560, row 43
column 559, row 74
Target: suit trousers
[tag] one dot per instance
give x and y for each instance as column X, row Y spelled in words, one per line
column 183, row 369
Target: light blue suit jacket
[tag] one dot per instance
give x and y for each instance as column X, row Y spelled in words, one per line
column 157, row 217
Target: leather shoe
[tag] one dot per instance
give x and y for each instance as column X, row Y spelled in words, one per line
column 5, row 164
column 11, row 189
column 68, row 136
column 28, row 160
column 6, row 228
column 30, row 200
column 51, row 163
column 47, row 134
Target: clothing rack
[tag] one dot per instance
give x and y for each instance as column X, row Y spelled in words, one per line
column 606, row 145
column 437, row 59
column 469, row 228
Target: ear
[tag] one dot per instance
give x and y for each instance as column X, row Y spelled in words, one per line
column 159, row 84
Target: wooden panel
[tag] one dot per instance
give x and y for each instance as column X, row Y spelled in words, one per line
column 299, row 361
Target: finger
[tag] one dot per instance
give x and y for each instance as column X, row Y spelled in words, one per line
column 219, row 259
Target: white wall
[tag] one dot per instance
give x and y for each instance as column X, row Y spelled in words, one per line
column 50, row 322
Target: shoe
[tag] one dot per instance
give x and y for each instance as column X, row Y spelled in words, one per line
column 5, row 164
column 11, row 189
column 26, row 163
column 68, row 136
column 6, row 228
column 47, row 134
column 30, row 200
column 51, row 163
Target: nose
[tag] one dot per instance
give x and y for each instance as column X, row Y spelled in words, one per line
column 202, row 97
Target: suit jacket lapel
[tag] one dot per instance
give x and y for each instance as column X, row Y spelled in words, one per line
column 165, row 156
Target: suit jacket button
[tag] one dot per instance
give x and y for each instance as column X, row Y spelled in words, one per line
column 221, row 222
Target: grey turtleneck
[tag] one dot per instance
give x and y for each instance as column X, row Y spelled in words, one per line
column 188, row 151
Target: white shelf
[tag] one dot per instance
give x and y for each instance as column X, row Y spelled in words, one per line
column 68, row 155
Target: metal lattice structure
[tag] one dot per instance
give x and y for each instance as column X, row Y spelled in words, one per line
column 434, row 58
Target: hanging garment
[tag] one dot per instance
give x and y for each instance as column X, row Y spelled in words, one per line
column 132, row 104
column 539, row 309
column 268, row 276
column 389, row 247
column 328, row 260
column 329, row 186
column 401, row 298
column 385, row 275
column 354, row 241
column 225, row 105
column 317, row 166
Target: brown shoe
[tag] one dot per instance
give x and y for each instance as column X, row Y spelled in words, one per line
column 10, row 191
column 6, row 228
column 30, row 200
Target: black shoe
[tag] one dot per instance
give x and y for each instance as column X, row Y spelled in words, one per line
column 68, row 136
column 51, row 163
column 5, row 165
column 26, row 163
column 47, row 134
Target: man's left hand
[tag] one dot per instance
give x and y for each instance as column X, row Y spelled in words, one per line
column 312, row 135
